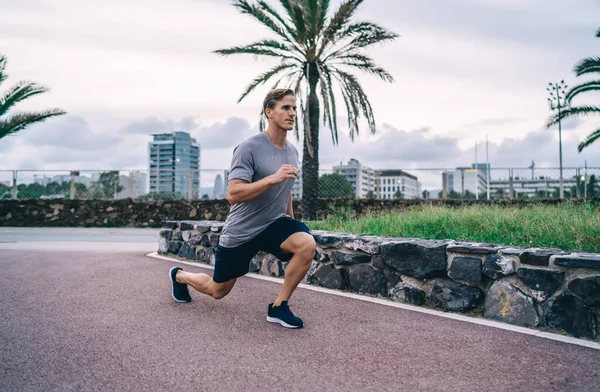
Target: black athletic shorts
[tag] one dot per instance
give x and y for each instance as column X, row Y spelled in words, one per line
column 231, row 263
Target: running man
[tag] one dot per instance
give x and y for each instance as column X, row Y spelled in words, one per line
column 263, row 170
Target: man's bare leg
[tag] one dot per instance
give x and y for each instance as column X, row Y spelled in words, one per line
column 302, row 245
column 204, row 284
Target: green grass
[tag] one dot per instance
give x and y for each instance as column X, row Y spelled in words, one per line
column 568, row 226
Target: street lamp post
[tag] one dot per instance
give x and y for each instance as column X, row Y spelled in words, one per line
column 557, row 102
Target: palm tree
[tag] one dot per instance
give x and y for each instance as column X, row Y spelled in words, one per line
column 314, row 51
column 11, row 124
column 586, row 66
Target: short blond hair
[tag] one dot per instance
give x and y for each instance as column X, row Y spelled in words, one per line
column 275, row 96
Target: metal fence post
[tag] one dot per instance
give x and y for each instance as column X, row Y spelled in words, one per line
column 130, row 185
column 72, row 187
column 14, row 190
column 444, row 185
column 511, row 187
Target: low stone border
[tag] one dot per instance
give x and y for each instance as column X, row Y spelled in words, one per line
column 529, row 287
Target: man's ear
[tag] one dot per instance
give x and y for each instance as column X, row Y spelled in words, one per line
column 268, row 112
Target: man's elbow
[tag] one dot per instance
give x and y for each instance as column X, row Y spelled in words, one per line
column 231, row 197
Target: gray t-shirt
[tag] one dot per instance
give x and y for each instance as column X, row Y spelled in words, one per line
column 253, row 160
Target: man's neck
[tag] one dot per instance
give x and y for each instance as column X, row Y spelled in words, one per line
column 277, row 136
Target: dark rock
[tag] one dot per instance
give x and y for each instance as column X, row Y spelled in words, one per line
column 271, row 266
column 340, row 258
column 511, row 251
column 588, row 289
column 163, row 246
column 330, row 277
column 546, row 282
column 569, row 313
column 186, row 235
column 169, row 225
column 497, row 266
column 366, row 279
column 365, row 245
column 174, row 247
column 467, row 269
column 453, row 296
column 187, row 251
column 378, row 262
column 255, row 264
column 204, row 240
column 214, row 240
column 505, row 302
column 203, row 227
column 536, row 257
column 177, row 236
column 408, row 294
column 311, row 272
column 217, row 227
column 187, row 225
column 194, row 239
column 327, row 241
column 579, row 260
column 322, row 257
column 393, row 277
column 166, row 233
column 420, row 259
column 472, row 249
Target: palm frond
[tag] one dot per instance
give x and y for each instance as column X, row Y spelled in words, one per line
column 362, row 40
column 18, row 93
column 337, row 22
column 3, row 75
column 20, row 121
column 330, row 110
column 293, row 35
column 266, row 47
column 588, row 65
column 575, row 111
column 263, row 78
column 246, row 8
column 300, row 23
column 364, row 63
column 593, row 85
column 598, row 33
column 357, row 95
column 591, row 138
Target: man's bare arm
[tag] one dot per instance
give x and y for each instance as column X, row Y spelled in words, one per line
column 240, row 191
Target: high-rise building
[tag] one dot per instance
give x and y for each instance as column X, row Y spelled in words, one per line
column 297, row 187
column 174, row 164
column 361, row 177
column 219, row 190
column 396, row 184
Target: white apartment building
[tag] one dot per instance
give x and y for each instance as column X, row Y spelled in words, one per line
column 297, row 187
column 396, row 184
column 134, row 185
column 361, row 177
column 466, row 179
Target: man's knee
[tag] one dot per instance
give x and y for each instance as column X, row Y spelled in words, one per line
column 308, row 247
column 221, row 290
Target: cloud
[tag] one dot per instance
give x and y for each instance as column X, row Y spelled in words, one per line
column 225, row 134
column 153, row 125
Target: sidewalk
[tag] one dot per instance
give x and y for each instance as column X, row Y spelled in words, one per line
column 75, row 319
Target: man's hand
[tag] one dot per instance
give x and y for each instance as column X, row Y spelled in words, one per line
column 285, row 172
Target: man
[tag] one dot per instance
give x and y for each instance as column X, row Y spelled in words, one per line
column 263, row 170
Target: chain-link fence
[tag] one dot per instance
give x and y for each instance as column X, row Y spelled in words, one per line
column 341, row 182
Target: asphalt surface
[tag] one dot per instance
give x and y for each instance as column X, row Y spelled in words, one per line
column 105, row 320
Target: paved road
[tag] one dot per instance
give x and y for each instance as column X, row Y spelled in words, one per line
column 81, row 320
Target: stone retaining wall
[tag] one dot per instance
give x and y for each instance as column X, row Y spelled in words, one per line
column 150, row 213
column 539, row 288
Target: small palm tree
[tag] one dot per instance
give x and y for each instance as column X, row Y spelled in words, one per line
column 586, row 66
column 314, row 50
column 13, row 123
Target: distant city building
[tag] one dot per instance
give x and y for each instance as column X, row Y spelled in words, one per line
column 174, row 160
column 219, row 189
column 134, row 185
column 464, row 179
column 297, row 187
column 361, row 177
column 396, row 184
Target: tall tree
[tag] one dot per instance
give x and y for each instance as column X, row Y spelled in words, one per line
column 590, row 65
column 15, row 122
column 315, row 50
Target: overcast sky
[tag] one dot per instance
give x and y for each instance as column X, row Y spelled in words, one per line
column 123, row 69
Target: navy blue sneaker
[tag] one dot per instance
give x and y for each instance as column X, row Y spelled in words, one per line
column 180, row 291
column 283, row 315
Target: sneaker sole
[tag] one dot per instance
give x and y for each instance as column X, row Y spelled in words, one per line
column 173, row 288
column 278, row 321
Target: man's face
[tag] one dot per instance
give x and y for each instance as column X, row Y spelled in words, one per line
column 283, row 114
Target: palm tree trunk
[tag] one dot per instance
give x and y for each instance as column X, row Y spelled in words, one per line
column 310, row 164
